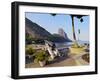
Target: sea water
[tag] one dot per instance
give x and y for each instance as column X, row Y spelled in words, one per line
column 67, row 44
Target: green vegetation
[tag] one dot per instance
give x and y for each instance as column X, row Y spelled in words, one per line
column 28, row 38
column 76, row 49
column 75, row 45
column 37, row 56
column 38, row 41
column 31, row 40
column 30, row 51
column 41, row 56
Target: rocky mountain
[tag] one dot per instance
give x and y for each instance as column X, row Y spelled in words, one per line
column 35, row 30
column 58, row 38
column 62, row 33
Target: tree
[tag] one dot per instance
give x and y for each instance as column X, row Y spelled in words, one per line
column 28, row 38
column 30, row 51
column 73, row 28
column 41, row 55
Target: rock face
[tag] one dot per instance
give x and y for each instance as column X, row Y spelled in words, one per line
column 35, row 30
column 38, row 32
column 63, row 34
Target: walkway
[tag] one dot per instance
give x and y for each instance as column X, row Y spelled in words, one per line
column 78, row 59
column 72, row 60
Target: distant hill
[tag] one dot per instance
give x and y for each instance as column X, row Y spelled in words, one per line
column 62, row 33
column 37, row 32
column 57, row 38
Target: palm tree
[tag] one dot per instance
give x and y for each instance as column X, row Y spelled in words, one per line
column 73, row 28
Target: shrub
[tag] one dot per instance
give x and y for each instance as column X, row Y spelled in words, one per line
column 30, row 51
column 41, row 56
column 86, row 57
column 28, row 38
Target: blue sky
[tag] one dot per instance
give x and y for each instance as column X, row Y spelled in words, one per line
column 53, row 23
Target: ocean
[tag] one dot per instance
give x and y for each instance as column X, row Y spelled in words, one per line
column 64, row 44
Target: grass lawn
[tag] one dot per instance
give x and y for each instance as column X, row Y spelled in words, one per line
column 76, row 50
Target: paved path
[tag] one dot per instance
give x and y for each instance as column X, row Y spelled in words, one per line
column 72, row 60
column 66, row 62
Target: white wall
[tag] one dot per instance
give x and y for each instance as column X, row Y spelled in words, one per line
column 5, row 40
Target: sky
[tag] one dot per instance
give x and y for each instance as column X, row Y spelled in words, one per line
column 53, row 23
